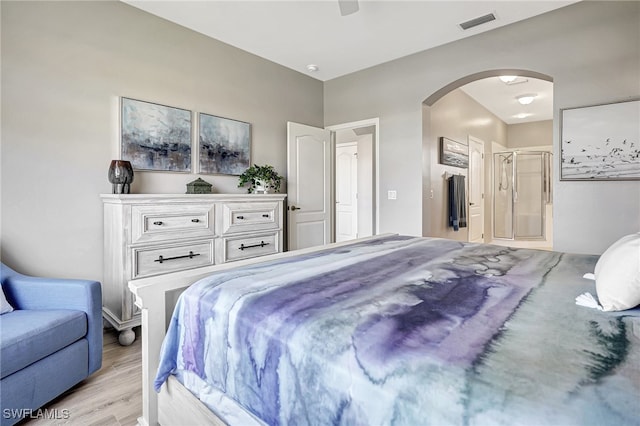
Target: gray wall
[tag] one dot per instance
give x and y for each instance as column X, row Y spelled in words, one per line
column 535, row 133
column 456, row 116
column 592, row 52
column 64, row 65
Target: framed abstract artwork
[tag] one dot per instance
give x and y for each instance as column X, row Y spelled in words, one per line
column 600, row 142
column 453, row 153
column 155, row 137
column 224, row 145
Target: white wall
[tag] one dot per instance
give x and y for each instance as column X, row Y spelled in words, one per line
column 64, row 65
column 592, row 52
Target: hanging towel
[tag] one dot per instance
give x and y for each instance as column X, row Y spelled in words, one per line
column 457, row 202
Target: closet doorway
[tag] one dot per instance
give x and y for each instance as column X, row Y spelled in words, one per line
column 355, row 179
column 311, row 186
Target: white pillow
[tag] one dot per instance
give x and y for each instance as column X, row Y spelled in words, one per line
column 617, row 274
column 5, row 307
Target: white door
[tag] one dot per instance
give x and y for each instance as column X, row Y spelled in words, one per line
column 308, row 186
column 366, row 135
column 346, row 191
column 476, row 190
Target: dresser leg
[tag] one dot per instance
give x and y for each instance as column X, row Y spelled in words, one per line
column 126, row 337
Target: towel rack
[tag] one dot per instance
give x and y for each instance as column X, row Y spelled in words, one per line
column 447, row 175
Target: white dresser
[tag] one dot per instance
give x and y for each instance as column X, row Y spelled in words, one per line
column 153, row 234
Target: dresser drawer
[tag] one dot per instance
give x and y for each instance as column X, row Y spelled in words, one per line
column 244, row 217
column 237, row 248
column 156, row 260
column 153, row 223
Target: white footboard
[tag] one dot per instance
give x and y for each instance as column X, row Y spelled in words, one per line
column 156, row 297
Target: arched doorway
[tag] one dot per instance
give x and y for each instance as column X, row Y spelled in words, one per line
column 454, row 114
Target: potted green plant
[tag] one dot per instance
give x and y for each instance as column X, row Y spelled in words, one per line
column 260, row 179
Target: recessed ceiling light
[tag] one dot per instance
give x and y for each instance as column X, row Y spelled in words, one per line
column 526, row 99
column 511, row 80
column 522, row 115
column 312, row 67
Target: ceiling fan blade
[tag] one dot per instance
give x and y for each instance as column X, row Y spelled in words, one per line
column 347, row 7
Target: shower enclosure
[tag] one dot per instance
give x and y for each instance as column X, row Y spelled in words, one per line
column 522, row 189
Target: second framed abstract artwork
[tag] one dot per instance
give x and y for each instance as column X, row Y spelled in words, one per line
column 224, row 145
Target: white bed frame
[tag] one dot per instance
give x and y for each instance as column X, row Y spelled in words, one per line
column 156, row 297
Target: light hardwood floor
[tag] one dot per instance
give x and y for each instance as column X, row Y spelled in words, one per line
column 111, row 396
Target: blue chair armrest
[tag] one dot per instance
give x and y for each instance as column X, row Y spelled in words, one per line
column 28, row 293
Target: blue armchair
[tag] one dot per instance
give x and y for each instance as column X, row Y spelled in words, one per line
column 50, row 342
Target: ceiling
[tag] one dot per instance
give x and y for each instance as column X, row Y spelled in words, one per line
column 299, row 33
column 501, row 98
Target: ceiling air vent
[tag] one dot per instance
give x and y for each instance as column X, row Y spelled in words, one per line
column 478, row 21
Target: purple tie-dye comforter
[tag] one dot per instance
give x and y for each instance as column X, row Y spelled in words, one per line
column 410, row 331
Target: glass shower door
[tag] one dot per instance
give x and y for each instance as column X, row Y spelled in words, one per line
column 503, row 165
column 521, row 190
column 529, row 195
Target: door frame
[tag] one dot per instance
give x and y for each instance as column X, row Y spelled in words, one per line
column 483, row 186
column 375, row 122
column 354, row 189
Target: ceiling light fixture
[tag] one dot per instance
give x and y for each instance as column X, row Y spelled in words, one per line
column 312, row 68
column 508, row 78
column 526, row 99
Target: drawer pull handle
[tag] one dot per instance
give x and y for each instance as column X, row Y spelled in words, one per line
column 262, row 244
column 195, row 220
column 191, row 255
column 265, row 215
column 240, row 217
column 158, row 223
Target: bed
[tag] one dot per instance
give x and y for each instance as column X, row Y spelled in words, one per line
column 389, row 330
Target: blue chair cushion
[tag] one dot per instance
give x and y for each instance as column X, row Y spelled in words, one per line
column 30, row 335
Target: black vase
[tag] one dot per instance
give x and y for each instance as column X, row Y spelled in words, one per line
column 120, row 176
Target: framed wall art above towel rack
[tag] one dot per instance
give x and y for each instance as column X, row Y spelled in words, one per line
column 454, row 153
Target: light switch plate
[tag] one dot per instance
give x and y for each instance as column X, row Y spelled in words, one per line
column 392, row 195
